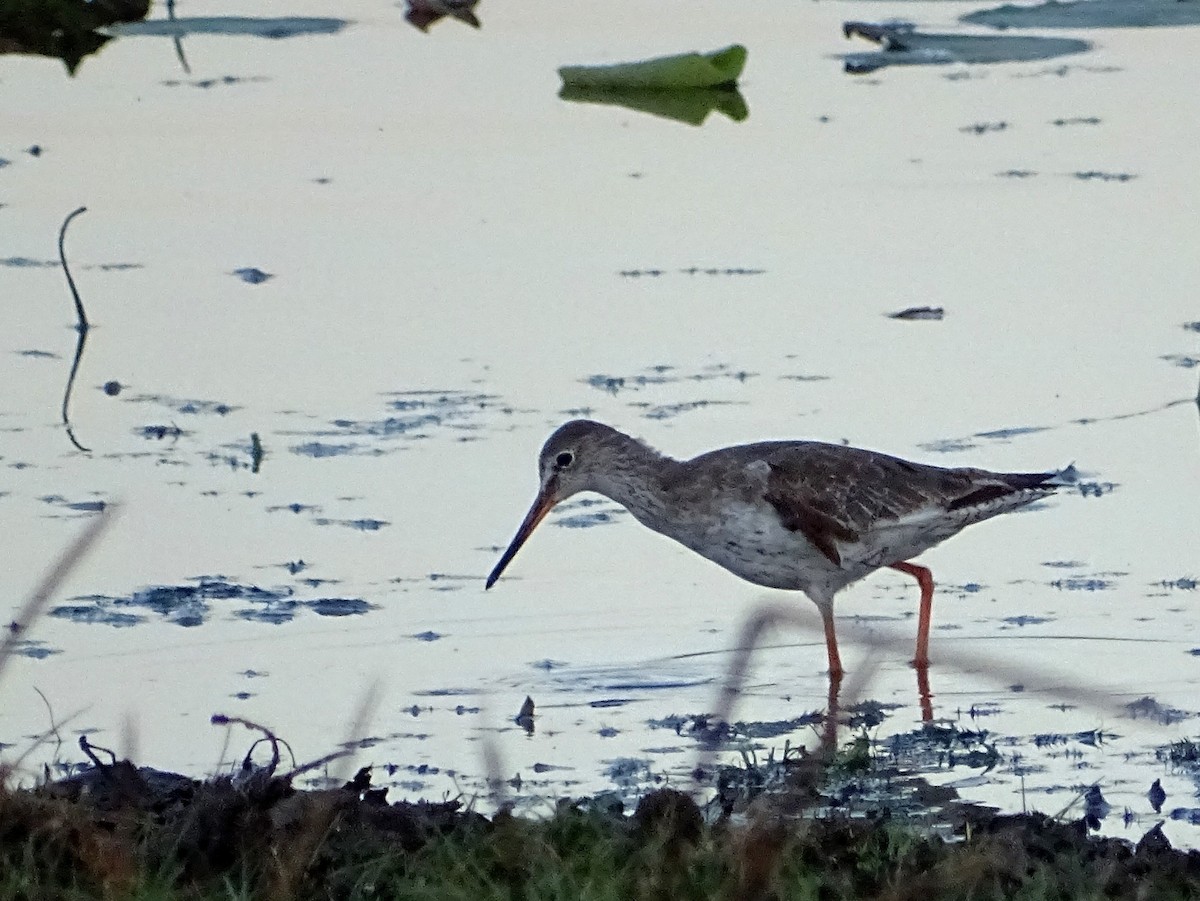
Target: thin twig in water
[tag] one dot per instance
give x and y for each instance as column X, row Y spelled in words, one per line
column 53, row 725
column 51, row 581
column 177, row 39
column 82, row 326
column 90, row 750
column 38, row 741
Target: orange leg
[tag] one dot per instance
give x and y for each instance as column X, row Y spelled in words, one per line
column 831, row 648
column 925, row 579
column 832, row 710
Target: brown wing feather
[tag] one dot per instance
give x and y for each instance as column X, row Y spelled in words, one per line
column 798, row 514
column 831, row 493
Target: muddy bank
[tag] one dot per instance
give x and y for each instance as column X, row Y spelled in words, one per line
column 116, row 830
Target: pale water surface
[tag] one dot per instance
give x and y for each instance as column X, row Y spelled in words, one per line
column 460, row 261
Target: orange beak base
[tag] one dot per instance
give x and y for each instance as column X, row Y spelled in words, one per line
column 542, row 505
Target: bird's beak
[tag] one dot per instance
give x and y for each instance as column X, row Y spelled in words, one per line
column 542, row 505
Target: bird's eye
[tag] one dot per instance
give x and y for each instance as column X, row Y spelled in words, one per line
column 563, row 460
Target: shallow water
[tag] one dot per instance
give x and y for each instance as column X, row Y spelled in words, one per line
column 459, row 260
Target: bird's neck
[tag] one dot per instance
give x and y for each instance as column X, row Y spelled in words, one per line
column 638, row 481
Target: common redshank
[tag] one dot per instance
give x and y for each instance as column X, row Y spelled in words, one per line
column 797, row 515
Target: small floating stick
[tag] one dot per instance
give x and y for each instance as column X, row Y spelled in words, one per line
column 82, row 326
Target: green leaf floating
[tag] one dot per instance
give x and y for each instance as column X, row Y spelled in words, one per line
column 720, row 68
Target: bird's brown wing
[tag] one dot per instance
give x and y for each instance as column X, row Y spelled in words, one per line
column 832, row 493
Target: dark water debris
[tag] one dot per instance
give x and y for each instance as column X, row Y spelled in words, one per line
column 252, row 276
column 690, row 106
column 1090, row 14
column 412, row 416
column 186, row 406
column 919, row 314
column 903, row 45
column 272, row 28
column 664, row 374
column 191, row 605
column 983, row 128
column 654, row 272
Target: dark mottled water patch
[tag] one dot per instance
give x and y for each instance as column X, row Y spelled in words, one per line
column 293, row 508
column 27, row 263
column 984, row 708
column 653, row 272
column 100, row 613
column 1183, row 583
column 272, row 27
column 160, row 432
column 948, row 445
column 364, row 524
column 223, row 81
column 320, row 449
column 804, row 378
column 864, row 715
column 1184, row 361
column 663, row 374
column 1192, row 326
column 1098, row 175
column 609, row 702
column 547, row 664
column 33, row 649
column 242, row 695
column 463, row 710
column 1027, row 620
column 414, row 415
column 1076, row 120
column 451, row 582
column 1095, row 489
column 428, row 635
column 983, row 128
column 608, row 732
column 37, row 354
column 653, row 684
column 444, row 692
column 919, row 314
column 1064, row 564
column 187, row 406
column 116, row 267
column 294, row 567
column 1017, row 173
column 340, row 606
column 57, row 500
column 183, row 605
column 1148, row 708
column 902, row 45
column 274, row 612
column 1082, row 583
column 1000, row 434
column 254, row 674
column 1089, row 14
column 587, row 520
column 942, row 746
column 628, row 769
column 670, row 411
column 1190, row 815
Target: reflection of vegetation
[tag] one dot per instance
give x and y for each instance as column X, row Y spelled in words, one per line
column 688, row 105
column 65, row 29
